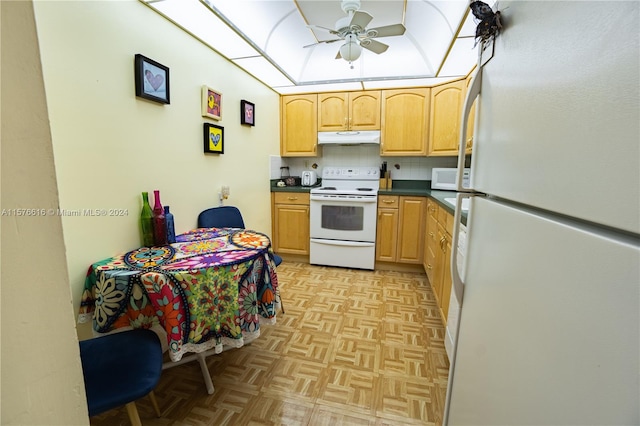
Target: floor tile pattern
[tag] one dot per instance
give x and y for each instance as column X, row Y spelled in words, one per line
column 353, row 348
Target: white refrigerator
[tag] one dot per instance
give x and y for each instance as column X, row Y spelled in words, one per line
column 549, row 325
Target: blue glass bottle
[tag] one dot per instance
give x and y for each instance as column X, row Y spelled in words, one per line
column 171, row 230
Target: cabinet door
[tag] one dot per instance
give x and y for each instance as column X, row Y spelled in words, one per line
column 364, row 110
column 445, row 290
column 405, row 122
column 387, row 236
column 446, row 108
column 431, row 249
column 411, row 229
column 299, row 126
column 439, row 268
column 333, row 112
column 291, row 229
column 471, row 120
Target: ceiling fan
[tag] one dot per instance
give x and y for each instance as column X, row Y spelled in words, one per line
column 353, row 30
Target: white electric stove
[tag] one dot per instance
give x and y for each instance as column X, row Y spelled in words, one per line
column 343, row 215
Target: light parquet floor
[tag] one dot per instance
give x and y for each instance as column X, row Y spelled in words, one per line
column 353, row 348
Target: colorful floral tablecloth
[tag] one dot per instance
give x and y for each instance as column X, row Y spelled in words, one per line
column 213, row 287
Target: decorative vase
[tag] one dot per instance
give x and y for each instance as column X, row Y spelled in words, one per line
column 146, row 221
column 159, row 222
column 171, row 230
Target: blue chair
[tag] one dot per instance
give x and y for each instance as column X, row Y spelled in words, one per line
column 225, row 217
column 120, row 368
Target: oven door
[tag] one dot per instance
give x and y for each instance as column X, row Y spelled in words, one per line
column 345, row 218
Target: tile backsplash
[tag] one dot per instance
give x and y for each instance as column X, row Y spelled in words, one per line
column 408, row 168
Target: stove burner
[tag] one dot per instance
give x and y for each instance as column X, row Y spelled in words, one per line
column 364, row 189
column 333, row 188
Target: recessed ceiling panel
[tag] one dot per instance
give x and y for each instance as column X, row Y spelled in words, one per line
column 278, row 30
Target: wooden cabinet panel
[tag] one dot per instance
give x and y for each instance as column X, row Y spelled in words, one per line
column 471, row 120
column 400, row 229
column 333, row 111
column 431, row 247
column 291, row 198
column 445, row 292
column 446, row 109
column 364, row 110
column 299, row 126
column 389, row 201
column 290, row 222
column 405, row 122
column 437, row 257
column 411, row 229
column 387, row 236
column 349, row 111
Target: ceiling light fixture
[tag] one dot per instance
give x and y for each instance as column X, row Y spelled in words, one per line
column 351, row 50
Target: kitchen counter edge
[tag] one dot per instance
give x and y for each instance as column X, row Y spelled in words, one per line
column 416, row 188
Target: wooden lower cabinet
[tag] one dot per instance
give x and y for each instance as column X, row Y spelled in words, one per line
column 290, row 212
column 437, row 256
column 400, row 229
column 386, row 232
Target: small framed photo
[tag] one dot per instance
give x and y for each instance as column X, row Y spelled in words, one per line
column 213, row 138
column 211, row 103
column 152, row 79
column 247, row 113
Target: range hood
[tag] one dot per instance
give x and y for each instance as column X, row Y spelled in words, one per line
column 349, row 138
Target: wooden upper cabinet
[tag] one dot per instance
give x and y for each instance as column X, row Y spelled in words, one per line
column 446, row 109
column 405, row 122
column 299, row 126
column 471, row 119
column 349, row 111
column 364, row 110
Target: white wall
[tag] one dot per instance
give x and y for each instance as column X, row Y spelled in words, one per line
column 41, row 371
column 110, row 146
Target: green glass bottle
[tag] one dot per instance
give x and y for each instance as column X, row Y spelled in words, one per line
column 146, row 221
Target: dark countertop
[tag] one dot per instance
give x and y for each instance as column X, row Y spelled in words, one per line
column 416, row 188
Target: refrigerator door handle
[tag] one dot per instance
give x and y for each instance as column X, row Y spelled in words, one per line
column 472, row 93
column 458, row 285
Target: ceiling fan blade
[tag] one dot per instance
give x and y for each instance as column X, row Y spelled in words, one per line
column 322, row 41
column 386, row 31
column 374, row 46
column 331, row 30
column 361, row 19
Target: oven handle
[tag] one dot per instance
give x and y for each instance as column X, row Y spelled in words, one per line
column 343, row 200
column 342, row 243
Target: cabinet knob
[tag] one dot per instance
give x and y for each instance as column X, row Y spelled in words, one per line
column 292, row 198
column 389, row 201
column 429, row 266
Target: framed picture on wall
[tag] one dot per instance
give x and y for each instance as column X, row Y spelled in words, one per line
column 211, row 103
column 247, row 113
column 213, row 138
column 152, row 79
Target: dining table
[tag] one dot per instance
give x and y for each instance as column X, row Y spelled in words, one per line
column 209, row 291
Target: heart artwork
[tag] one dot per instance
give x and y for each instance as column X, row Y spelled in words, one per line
column 154, row 80
column 215, row 139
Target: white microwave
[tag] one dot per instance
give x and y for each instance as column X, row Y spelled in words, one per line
column 445, row 178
